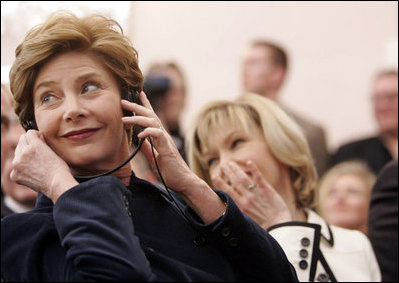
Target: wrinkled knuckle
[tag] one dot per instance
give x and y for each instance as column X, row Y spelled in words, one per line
column 245, row 203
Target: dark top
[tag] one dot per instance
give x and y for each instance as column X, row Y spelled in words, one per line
column 5, row 210
column 383, row 221
column 371, row 150
column 101, row 230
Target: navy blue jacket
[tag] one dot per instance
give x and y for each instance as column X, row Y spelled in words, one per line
column 101, row 230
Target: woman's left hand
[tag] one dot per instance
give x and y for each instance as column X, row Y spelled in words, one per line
column 252, row 193
column 173, row 168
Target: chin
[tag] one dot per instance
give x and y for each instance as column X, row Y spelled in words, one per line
column 85, row 161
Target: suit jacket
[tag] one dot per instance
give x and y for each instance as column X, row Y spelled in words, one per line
column 383, row 221
column 322, row 252
column 101, row 230
column 316, row 138
column 5, row 210
column 370, row 150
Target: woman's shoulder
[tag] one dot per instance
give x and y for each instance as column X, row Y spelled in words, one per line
column 349, row 238
column 39, row 218
column 347, row 232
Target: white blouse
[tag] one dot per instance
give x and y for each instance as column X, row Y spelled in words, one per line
column 322, row 252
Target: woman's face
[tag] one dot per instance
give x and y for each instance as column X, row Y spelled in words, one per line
column 347, row 202
column 232, row 143
column 78, row 109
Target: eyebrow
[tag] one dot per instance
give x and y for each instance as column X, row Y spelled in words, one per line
column 80, row 78
column 225, row 139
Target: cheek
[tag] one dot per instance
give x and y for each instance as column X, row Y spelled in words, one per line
column 359, row 204
column 48, row 127
column 330, row 203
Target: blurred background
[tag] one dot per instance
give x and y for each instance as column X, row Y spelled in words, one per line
column 335, row 49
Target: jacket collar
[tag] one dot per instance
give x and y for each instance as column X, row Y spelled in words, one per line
column 325, row 230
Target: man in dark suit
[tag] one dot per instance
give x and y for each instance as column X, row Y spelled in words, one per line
column 265, row 65
column 383, row 221
column 377, row 150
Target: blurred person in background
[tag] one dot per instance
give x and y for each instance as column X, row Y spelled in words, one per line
column 15, row 198
column 166, row 89
column 377, row 150
column 344, row 195
column 264, row 69
column 252, row 150
column 383, row 221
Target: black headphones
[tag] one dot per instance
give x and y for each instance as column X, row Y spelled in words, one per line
column 130, row 95
column 29, row 125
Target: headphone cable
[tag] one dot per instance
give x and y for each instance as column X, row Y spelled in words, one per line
column 83, row 178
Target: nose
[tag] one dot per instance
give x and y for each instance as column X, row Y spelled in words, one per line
column 74, row 109
column 340, row 196
column 224, row 159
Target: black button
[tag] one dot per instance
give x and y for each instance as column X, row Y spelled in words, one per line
column 305, row 242
column 226, row 231
column 233, row 242
column 322, row 277
column 128, row 211
column 303, row 264
column 303, row 253
column 199, row 241
column 150, row 249
column 125, row 200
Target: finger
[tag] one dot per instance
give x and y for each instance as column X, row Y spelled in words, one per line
column 239, row 176
column 222, row 185
column 13, row 176
column 142, row 121
column 22, row 143
column 151, row 132
column 137, row 108
column 33, row 137
column 144, row 100
column 257, row 176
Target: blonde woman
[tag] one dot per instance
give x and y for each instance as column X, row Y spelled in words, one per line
column 345, row 191
column 252, row 150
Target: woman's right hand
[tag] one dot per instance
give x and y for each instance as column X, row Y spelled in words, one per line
column 252, row 193
column 38, row 167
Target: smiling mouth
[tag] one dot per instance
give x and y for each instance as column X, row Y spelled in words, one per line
column 80, row 134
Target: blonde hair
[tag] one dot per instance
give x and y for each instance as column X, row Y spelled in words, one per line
column 63, row 32
column 283, row 137
column 355, row 167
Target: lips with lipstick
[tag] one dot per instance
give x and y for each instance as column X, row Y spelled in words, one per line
column 79, row 135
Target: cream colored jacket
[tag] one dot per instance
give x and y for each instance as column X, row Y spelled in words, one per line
column 322, row 252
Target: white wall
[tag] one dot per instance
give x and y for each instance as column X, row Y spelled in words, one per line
column 335, row 48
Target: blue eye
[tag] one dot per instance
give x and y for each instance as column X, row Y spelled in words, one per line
column 89, row 86
column 48, row 97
